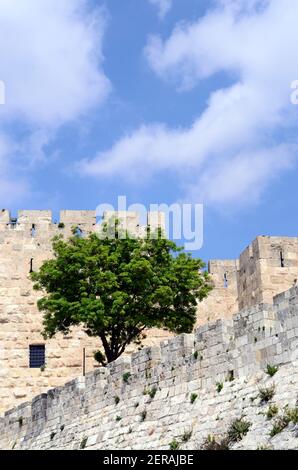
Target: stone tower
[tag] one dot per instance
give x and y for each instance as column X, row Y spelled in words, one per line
column 267, row 267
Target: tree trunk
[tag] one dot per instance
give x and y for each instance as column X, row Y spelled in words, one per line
column 110, row 354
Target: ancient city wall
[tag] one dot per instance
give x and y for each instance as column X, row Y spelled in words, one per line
column 171, row 393
column 25, row 243
column 222, row 301
column 268, row 266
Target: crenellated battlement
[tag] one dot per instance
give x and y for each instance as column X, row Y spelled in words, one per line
column 221, row 352
column 86, row 220
column 268, row 266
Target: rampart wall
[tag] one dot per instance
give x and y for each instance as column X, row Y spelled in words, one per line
column 171, row 393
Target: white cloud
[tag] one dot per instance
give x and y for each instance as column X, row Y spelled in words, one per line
column 164, row 6
column 242, row 178
column 232, row 151
column 51, row 63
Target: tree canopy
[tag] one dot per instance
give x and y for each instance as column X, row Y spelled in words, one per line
column 115, row 288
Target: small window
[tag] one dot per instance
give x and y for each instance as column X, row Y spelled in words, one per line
column 37, row 357
column 226, row 280
column 282, row 260
column 78, row 232
column 33, row 231
column 231, row 376
column 13, row 223
column 31, row 266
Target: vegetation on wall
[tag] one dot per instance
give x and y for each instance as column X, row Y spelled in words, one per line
column 116, row 287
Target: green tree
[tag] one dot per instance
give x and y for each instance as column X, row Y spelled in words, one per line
column 117, row 287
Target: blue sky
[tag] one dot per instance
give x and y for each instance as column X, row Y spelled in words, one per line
column 158, row 100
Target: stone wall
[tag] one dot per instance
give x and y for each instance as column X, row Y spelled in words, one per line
column 190, row 387
column 24, row 244
column 268, row 266
column 222, row 301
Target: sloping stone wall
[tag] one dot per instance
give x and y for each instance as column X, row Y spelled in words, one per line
column 190, row 387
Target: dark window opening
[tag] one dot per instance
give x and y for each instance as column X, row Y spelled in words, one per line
column 225, row 280
column 33, row 231
column 37, row 356
column 31, row 266
column 231, row 376
column 79, row 232
column 282, row 260
column 13, row 222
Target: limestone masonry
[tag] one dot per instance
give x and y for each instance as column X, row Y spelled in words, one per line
column 266, row 268
column 191, row 387
column 25, row 243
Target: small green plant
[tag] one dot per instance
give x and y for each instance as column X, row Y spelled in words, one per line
column 196, row 355
column 212, row 444
column 61, row 225
column 83, row 443
column 118, row 418
column 116, row 399
column 174, row 445
column 264, row 447
column 271, row 370
column 272, row 411
column 14, row 445
column 152, row 392
column 186, row 436
column 292, row 414
column 193, row 397
column 279, row 425
column 266, row 394
column 42, row 368
column 238, row 429
column 143, row 415
column 53, row 434
column 21, row 421
column 219, row 387
column 126, row 376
